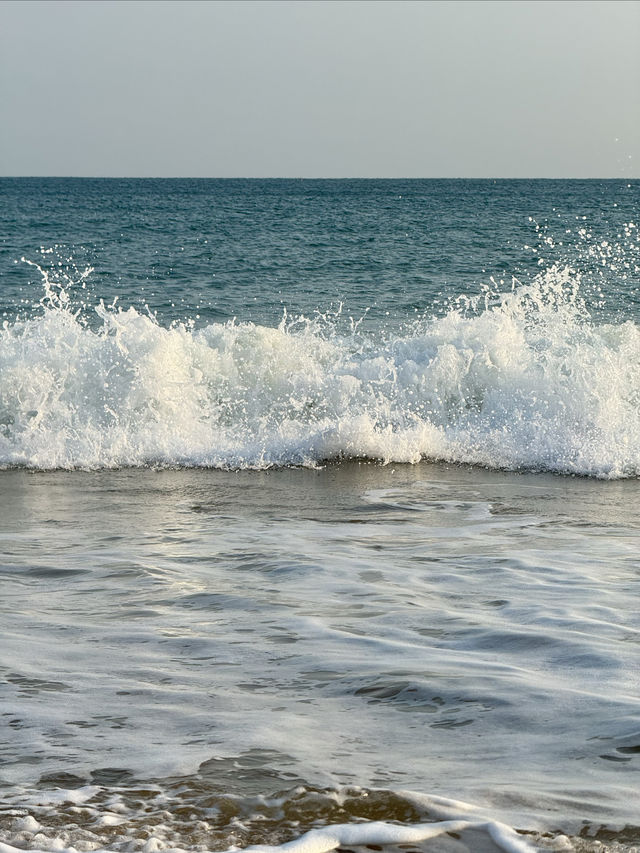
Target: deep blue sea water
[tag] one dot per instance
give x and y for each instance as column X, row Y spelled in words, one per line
column 318, row 508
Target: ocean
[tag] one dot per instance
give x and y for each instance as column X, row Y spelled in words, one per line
column 319, row 515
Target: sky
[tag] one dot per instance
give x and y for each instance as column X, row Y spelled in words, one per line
column 334, row 88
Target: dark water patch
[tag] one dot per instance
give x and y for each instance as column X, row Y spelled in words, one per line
column 29, row 686
column 54, row 572
column 619, row 758
column 413, row 696
column 212, row 602
column 111, row 776
column 62, row 780
column 629, row 750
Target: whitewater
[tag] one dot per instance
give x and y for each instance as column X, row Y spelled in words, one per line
column 522, row 380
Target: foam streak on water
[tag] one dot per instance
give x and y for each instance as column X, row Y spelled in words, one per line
column 519, row 380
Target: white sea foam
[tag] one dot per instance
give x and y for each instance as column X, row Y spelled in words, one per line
column 526, row 380
column 382, row 834
column 472, row 830
column 355, row 835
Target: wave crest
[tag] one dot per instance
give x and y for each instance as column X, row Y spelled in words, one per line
column 517, row 380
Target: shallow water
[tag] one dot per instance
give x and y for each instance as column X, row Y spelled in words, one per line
column 211, row 635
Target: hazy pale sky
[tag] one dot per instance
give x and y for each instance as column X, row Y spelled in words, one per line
column 465, row 88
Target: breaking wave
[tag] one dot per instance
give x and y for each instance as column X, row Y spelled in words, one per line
column 522, row 380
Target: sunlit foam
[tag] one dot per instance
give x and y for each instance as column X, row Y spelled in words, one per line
column 519, row 380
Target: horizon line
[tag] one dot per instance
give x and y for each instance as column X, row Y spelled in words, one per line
column 315, row 178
